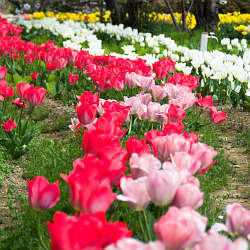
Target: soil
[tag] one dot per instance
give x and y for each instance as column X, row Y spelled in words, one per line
column 239, row 185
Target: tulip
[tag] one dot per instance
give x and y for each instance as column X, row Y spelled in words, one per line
column 158, row 93
column 88, row 98
column 217, row 116
column 204, row 102
column 135, row 145
column 3, row 72
column 142, row 165
column 36, row 95
column 188, row 195
column 175, row 113
column 34, row 76
column 180, row 228
column 8, row 125
column 134, row 193
column 183, row 160
column 21, row 88
column 86, row 113
column 220, row 242
column 51, row 66
column 238, row 220
column 5, row 91
column 42, row 195
column 133, row 244
column 73, row 78
column 89, row 231
column 164, row 146
column 203, row 153
column 162, row 186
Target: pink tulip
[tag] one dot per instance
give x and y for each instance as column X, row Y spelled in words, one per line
column 203, row 153
column 162, row 186
column 183, row 160
column 220, row 242
column 180, row 228
column 164, row 146
column 134, row 193
column 133, row 244
column 34, row 76
column 204, row 102
column 238, row 220
column 133, row 80
column 142, row 165
column 42, row 195
column 158, row 93
column 188, row 195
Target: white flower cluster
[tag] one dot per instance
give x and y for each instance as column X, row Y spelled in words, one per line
column 240, row 45
column 75, row 33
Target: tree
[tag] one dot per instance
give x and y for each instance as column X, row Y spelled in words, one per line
column 206, row 15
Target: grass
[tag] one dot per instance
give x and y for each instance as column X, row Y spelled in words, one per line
column 243, row 139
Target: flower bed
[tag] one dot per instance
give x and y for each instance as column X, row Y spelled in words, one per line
column 153, row 175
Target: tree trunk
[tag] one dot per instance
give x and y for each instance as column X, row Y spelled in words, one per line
column 183, row 8
column 206, row 15
column 172, row 15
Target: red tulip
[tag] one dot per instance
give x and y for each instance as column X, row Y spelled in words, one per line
column 175, row 113
column 217, row 116
column 5, row 91
column 135, row 145
column 204, row 102
column 34, row 76
column 51, row 66
column 88, row 193
column 3, row 72
column 89, row 231
column 88, row 98
column 8, row 125
column 42, row 195
column 36, row 95
column 86, row 113
column 21, row 88
column 73, row 78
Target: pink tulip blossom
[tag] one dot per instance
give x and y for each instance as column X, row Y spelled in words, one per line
column 134, row 193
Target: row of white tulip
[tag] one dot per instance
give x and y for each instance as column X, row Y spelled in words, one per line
column 214, row 65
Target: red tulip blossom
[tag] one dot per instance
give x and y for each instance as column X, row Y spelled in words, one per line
column 88, row 193
column 5, row 91
column 217, row 116
column 88, row 98
column 73, row 78
column 86, row 113
column 36, row 95
column 89, row 231
column 175, row 113
column 42, row 195
column 163, row 67
column 21, row 88
column 51, row 66
column 8, row 125
column 135, row 145
column 18, row 102
column 189, row 81
column 34, row 76
column 204, row 102
column 3, row 72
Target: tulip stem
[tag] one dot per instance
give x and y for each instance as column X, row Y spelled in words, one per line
column 40, row 235
column 147, row 225
column 130, row 124
column 142, row 228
